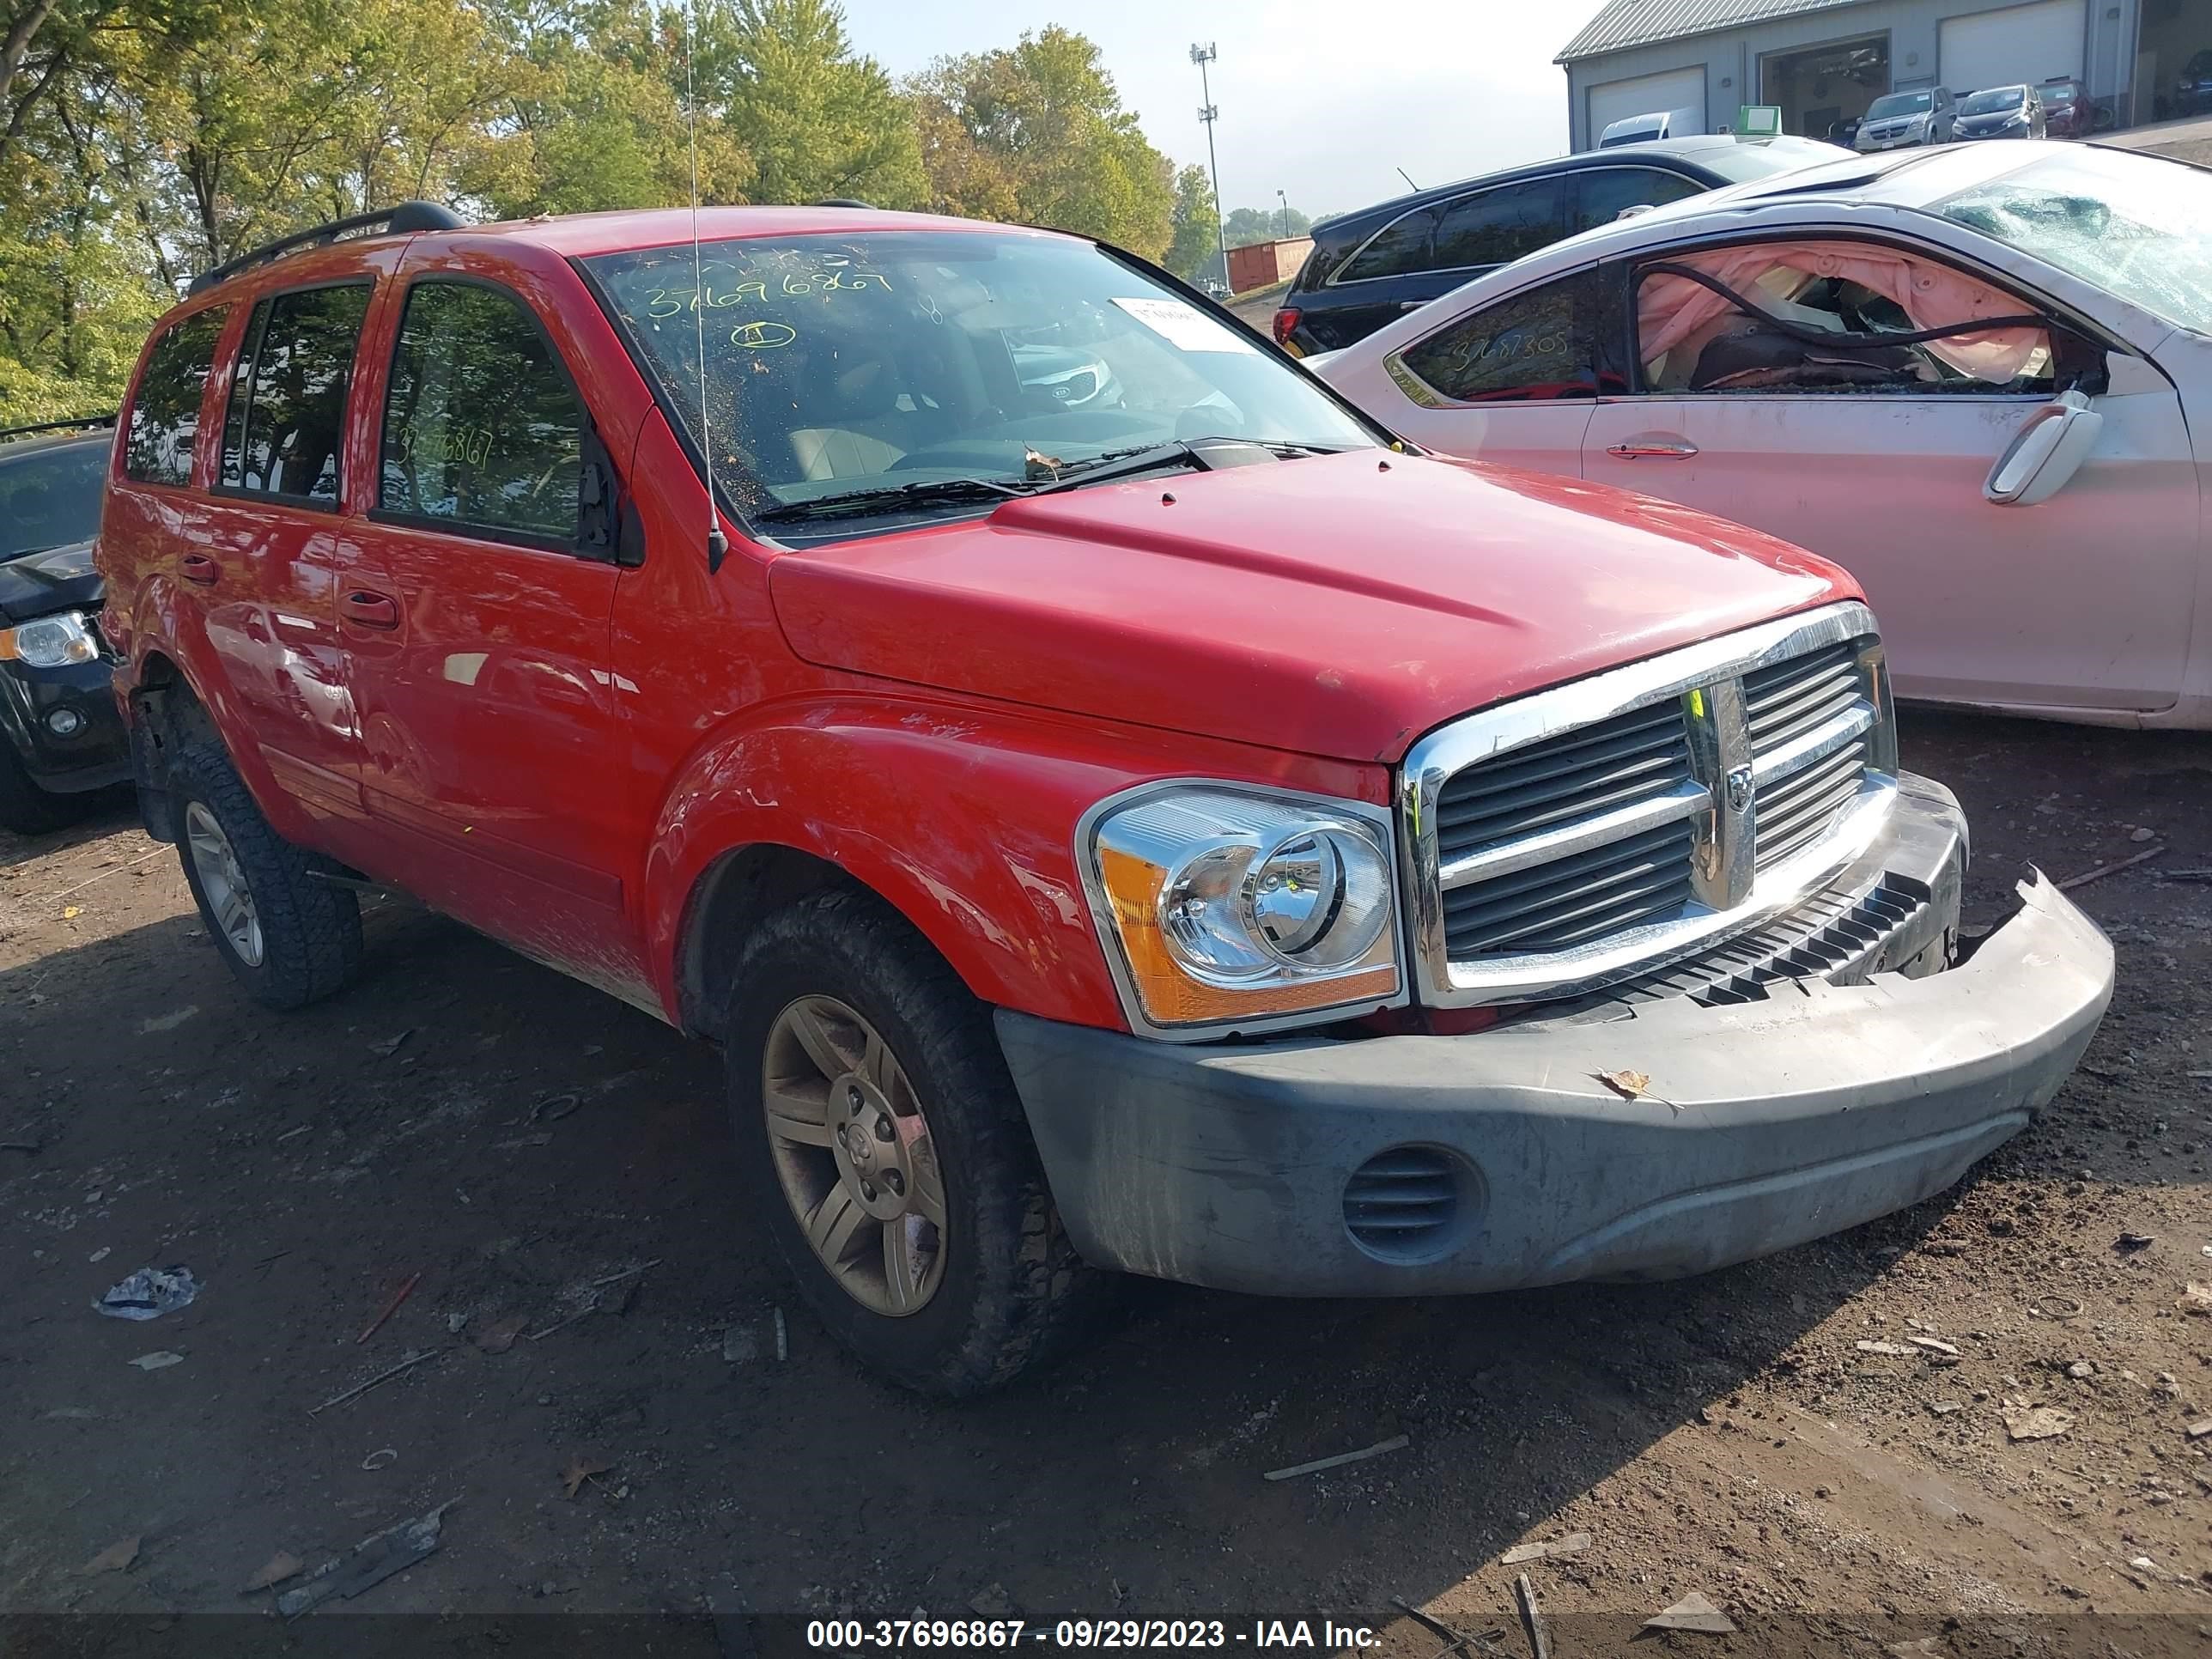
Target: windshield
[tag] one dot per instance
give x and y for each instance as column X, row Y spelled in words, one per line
column 839, row 364
column 51, row 498
column 1899, row 103
column 2136, row 227
column 1994, row 100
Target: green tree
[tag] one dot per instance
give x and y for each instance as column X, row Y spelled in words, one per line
column 816, row 119
column 1245, row 226
column 1193, row 250
column 1041, row 123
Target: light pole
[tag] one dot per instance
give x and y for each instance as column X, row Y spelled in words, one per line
column 1202, row 56
column 1285, row 201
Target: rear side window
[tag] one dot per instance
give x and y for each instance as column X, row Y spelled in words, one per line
column 286, row 423
column 157, row 443
column 1498, row 226
column 1405, row 244
column 1603, row 194
column 1540, row 345
column 481, row 425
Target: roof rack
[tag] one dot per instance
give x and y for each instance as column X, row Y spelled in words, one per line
column 405, row 217
column 83, row 421
column 845, row 202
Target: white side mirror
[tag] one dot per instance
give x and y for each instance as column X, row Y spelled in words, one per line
column 2046, row 453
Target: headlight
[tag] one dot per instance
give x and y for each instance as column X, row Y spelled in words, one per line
column 1227, row 905
column 51, row 642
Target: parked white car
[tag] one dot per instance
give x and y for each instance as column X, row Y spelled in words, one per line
column 1971, row 375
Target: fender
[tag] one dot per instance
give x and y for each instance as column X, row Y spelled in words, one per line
column 960, row 813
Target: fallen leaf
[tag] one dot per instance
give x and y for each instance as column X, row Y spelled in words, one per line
column 1629, row 1085
column 2196, row 1299
column 275, row 1570
column 71, row 912
column 498, row 1338
column 582, row 1467
column 1694, row 1613
column 2037, row 1422
column 1573, row 1544
column 116, row 1556
column 156, row 1360
column 390, row 1046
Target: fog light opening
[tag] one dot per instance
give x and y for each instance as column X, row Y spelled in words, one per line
column 1412, row 1204
column 65, row 722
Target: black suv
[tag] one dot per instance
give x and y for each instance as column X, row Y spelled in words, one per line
column 1368, row 267
column 61, row 736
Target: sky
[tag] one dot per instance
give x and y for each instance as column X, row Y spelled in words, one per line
column 1311, row 103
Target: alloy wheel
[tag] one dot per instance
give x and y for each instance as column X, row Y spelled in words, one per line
column 229, row 901
column 853, row 1154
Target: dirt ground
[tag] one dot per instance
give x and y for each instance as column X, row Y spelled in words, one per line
column 509, row 1136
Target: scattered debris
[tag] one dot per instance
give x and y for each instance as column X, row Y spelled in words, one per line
column 739, row 1346
column 2036, row 1422
column 391, row 1045
column 2103, row 870
column 382, row 1458
column 275, row 1570
column 289, row 1134
column 2198, row 1430
column 30, row 1147
column 1694, row 1612
column 2129, row 1243
column 992, row 1602
column 1396, row 1443
column 590, row 1297
column 149, row 1293
column 1532, row 1617
column 2196, row 1299
column 116, row 1556
column 360, row 1389
column 523, row 1143
column 2056, row 1307
column 372, row 1561
column 782, row 1338
column 581, row 1468
column 159, row 1359
column 98, row 1255
column 1629, row 1085
column 1559, row 1548
column 1933, row 1345
column 71, row 912
column 455, row 1322
column 2188, row 875
column 1882, row 1347
column 1943, row 1407
column 2143, row 832
column 1483, row 1641
column 390, row 1308
column 168, row 1022
column 498, row 1338
column 553, row 1107
column 2081, row 1370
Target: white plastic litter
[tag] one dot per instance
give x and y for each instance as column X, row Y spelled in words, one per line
column 149, row 1293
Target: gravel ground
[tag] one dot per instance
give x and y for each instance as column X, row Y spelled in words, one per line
column 499, row 1136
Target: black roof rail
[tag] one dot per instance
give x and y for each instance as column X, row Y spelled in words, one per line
column 107, row 419
column 404, row 217
column 844, row 201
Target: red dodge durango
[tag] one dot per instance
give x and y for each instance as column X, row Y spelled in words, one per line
column 1114, row 807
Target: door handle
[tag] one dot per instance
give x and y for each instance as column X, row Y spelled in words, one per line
column 370, row 609
column 197, row 568
column 1666, row 449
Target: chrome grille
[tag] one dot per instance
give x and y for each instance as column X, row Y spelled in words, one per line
column 1585, row 835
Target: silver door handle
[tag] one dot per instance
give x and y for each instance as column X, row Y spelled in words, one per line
column 1672, row 450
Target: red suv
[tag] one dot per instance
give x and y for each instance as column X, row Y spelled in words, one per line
column 1176, row 830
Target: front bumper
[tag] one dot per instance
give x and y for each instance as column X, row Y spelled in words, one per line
column 94, row 755
column 1775, row 1113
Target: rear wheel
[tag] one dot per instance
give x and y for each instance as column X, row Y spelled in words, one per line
column 25, row 808
column 880, row 1136
column 289, row 938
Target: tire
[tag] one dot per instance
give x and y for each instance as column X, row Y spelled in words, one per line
column 25, row 808
column 308, row 931
column 1010, row 1292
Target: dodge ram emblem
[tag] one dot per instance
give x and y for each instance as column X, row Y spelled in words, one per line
column 1739, row 788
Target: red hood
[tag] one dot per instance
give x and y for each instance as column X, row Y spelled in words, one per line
column 1330, row 605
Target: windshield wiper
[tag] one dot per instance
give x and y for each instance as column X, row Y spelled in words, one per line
column 889, row 498
column 1183, row 451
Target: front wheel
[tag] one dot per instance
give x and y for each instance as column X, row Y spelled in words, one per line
column 880, row 1137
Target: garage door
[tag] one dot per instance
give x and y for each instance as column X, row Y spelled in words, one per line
column 2018, row 44
column 1616, row 100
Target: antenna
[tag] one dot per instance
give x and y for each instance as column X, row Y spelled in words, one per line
column 718, row 544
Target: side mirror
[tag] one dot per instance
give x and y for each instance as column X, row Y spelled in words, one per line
column 2046, row 453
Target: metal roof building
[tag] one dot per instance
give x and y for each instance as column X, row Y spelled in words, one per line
column 1823, row 62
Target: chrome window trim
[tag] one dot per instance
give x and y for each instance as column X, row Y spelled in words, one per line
column 1712, row 667
column 1109, row 938
column 1565, row 175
